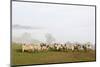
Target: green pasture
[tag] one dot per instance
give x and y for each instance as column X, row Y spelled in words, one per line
column 22, row 58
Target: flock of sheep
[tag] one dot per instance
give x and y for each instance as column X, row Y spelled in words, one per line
column 56, row 47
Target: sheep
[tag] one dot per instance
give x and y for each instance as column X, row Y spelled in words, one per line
column 69, row 47
column 58, row 47
column 26, row 47
column 37, row 48
column 44, row 46
column 30, row 47
column 87, row 46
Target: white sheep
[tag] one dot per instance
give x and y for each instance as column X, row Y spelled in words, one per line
column 27, row 47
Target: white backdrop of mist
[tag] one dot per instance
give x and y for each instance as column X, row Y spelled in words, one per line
column 64, row 22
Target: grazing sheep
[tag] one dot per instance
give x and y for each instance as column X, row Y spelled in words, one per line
column 51, row 47
column 58, row 47
column 32, row 48
column 37, row 48
column 44, row 46
column 70, row 47
column 87, row 46
column 26, row 47
column 77, row 47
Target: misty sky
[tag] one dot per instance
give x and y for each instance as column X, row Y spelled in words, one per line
column 64, row 22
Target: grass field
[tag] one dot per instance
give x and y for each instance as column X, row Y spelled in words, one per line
column 20, row 58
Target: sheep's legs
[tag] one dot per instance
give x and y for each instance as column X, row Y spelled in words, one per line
column 22, row 50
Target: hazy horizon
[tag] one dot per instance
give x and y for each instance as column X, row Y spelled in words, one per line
column 63, row 22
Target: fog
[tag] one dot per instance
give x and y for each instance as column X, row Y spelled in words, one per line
column 63, row 22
